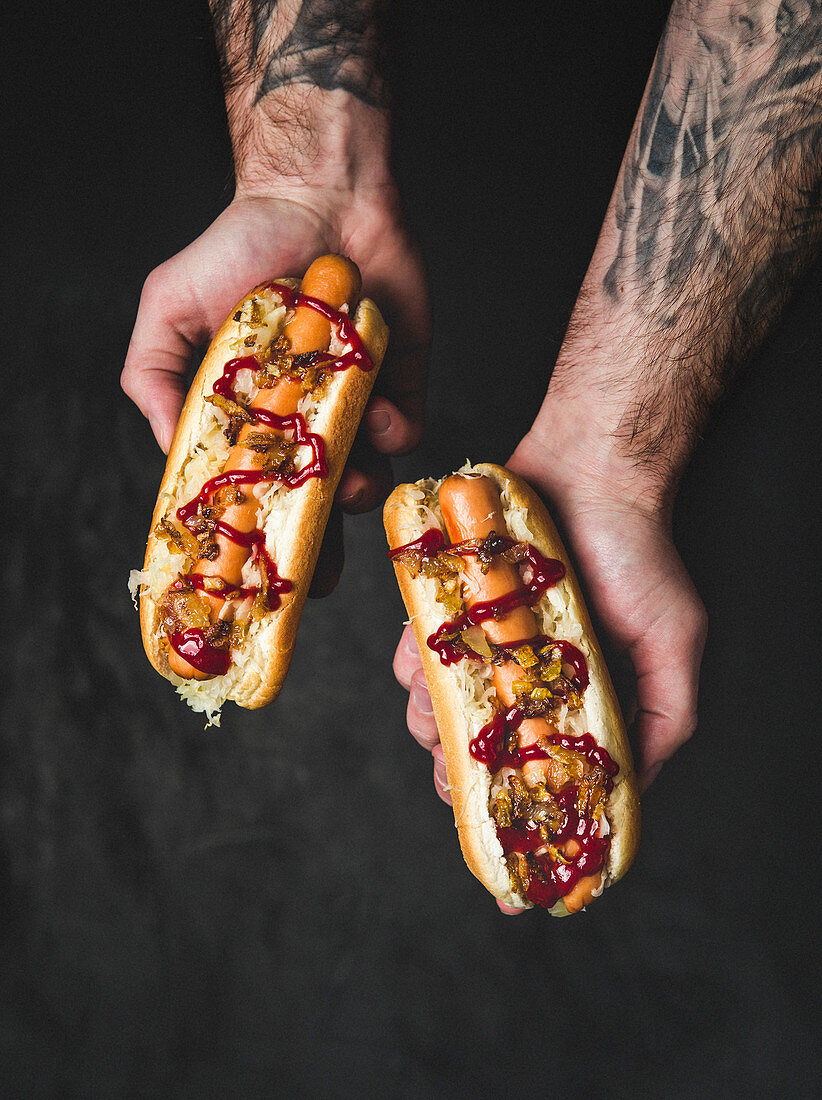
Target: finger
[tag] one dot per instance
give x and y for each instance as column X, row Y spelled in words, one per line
column 407, row 658
column 441, row 776
column 510, row 910
column 366, row 480
column 391, row 429
column 420, row 714
column 667, row 661
column 167, row 329
column 331, row 558
column 394, row 275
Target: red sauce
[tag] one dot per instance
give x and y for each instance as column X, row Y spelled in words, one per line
column 277, row 585
column 224, row 385
column 586, row 746
column 545, row 573
column 550, row 879
column 450, row 653
column 200, row 654
column 191, row 644
column 429, row 544
column 316, row 468
column 357, row 356
column 488, row 747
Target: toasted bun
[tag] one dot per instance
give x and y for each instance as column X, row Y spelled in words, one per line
column 460, row 695
column 293, row 519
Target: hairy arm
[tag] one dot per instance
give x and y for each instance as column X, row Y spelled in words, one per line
column 307, row 109
column 716, row 212
column 305, row 91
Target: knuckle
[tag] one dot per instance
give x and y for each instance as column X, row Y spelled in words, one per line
column 688, row 727
column 127, row 380
column 698, row 616
column 156, row 285
column 408, row 440
column 692, row 623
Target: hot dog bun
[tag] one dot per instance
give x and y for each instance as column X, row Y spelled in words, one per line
column 293, row 519
column 462, row 693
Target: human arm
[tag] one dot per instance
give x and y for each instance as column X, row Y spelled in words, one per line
column 308, row 117
column 715, row 214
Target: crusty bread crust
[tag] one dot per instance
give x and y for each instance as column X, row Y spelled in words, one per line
column 469, row 781
column 341, row 406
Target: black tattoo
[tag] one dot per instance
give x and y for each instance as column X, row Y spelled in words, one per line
column 719, row 207
column 331, row 44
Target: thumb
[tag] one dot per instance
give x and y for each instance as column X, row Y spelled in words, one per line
column 167, row 329
column 666, row 661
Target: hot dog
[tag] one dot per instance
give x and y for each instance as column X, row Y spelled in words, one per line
column 538, row 761
column 258, row 452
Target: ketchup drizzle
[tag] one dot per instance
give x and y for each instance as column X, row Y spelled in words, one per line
column 191, row 644
column 357, row 356
column 429, row 544
column 551, row 879
column 488, row 747
column 199, row 653
column 546, row 572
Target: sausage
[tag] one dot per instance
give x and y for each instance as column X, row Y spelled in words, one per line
column 332, row 279
column 472, row 509
column 477, row 760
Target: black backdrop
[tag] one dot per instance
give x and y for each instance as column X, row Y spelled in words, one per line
column 279, row 905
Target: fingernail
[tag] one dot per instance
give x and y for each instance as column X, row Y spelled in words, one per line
column 420, row 699
column 160, row 434
column 510, row 910
column 352, row 498
column 440, row 772
column 378, row 421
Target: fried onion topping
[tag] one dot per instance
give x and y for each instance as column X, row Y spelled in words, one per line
column 167, row 530
column 543, row 685
column 278, row 362
column 182, row 608
column 237, row 414
column 277, row 453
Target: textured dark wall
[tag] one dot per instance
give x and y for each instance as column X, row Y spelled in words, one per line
column 279, row 905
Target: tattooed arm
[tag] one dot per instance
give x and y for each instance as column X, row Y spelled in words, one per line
column 715, row 213
column 308, row 116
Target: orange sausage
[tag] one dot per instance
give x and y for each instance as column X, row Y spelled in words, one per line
column 332, row 279
column 472, row 509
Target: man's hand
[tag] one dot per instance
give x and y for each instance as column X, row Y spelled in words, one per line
column 638, row 587
column 309, row 126
column 187, row 298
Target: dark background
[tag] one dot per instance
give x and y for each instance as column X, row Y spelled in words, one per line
column 279, row 905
